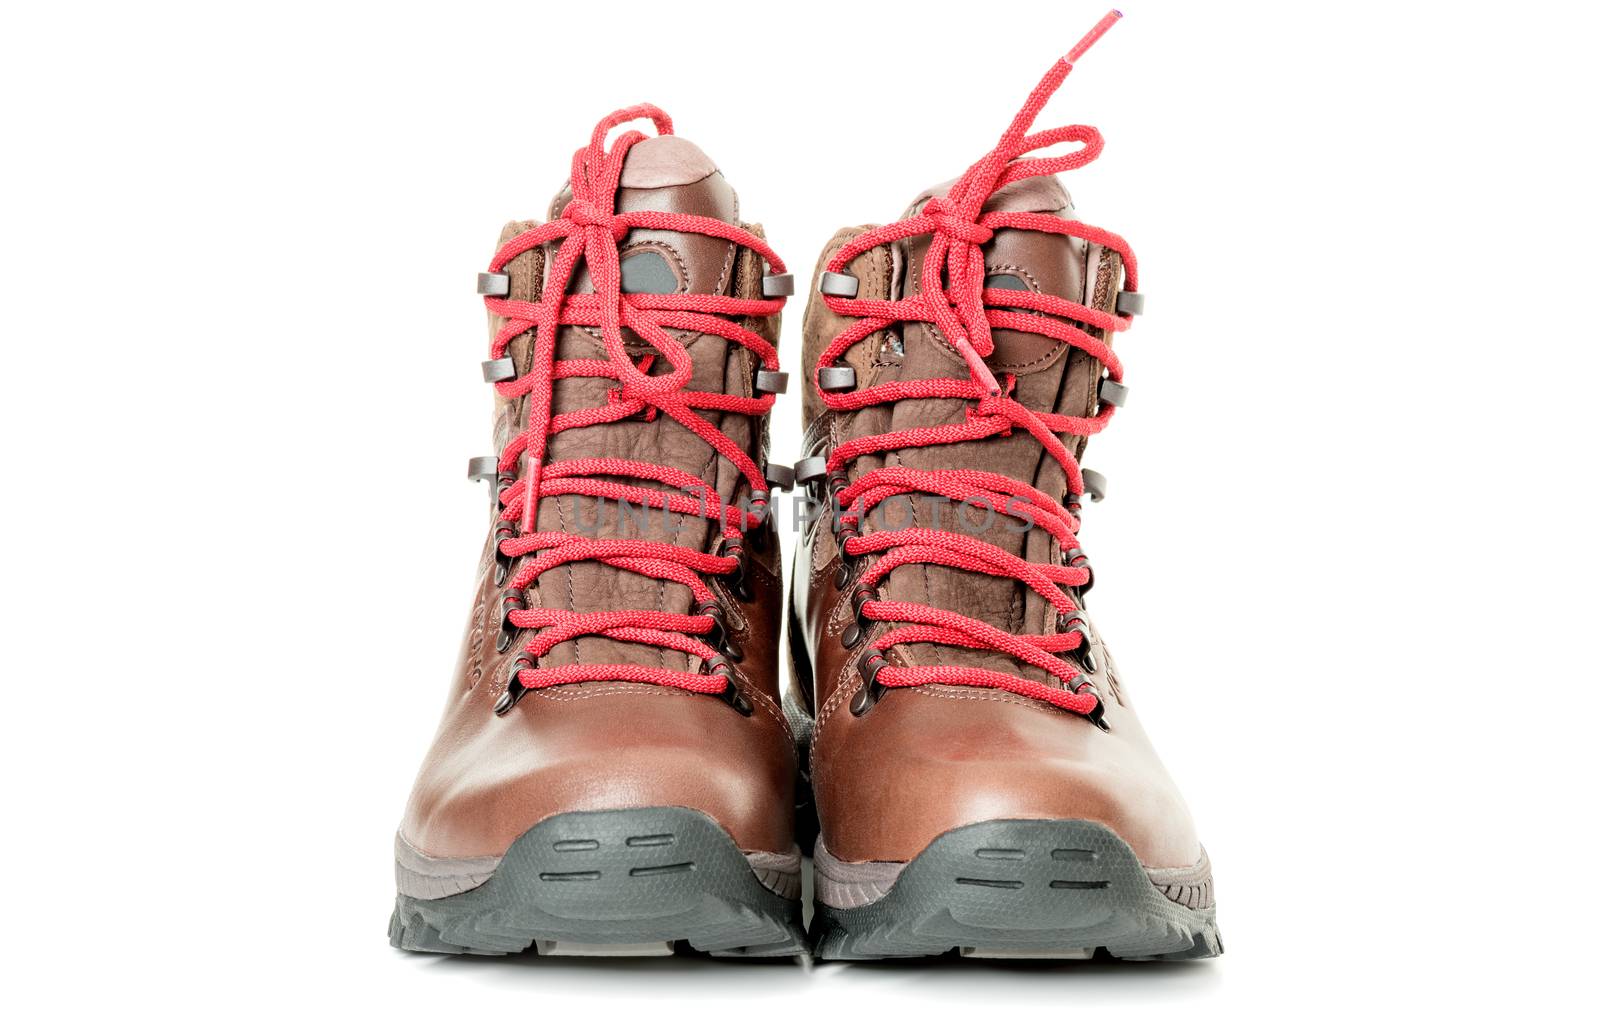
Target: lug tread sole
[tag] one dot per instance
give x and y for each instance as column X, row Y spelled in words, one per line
column 1020, row 888
column 660, row 875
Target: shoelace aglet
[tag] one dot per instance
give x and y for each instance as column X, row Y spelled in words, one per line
column 1101, row 28
column 980, row 371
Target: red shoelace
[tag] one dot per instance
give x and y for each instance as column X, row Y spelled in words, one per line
column 589, row 228
column 964, row 312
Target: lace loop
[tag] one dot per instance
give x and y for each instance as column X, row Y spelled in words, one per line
column 953, row 225
column 590, row 218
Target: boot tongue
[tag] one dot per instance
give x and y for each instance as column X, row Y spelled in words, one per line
column 1016, row 260
column 669, row 174
column 1049, row 376
column 662, row 174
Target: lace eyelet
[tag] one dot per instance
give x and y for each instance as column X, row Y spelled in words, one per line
column 739, row 584
column 481, row 468
column 1094, row 484
column 503, row 369
column 870, row 692
column 838, row 378
column 503, row 531
column 842, row 535
column 512, row 601
column 841, row 575
column 759, row 535
column 1077, row 622
column 857, row 630
column 836, row 483
column 738, row 581
column 730, row 694
column 810, row 470
column 838, row 284
column 719, row 637
column 1097, row 716
column 515, row 690
column 1075, row 558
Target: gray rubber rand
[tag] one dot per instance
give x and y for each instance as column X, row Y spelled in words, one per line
column 617, row 877
column 1039, row 887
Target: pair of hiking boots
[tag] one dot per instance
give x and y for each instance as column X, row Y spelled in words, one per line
column 617, row 770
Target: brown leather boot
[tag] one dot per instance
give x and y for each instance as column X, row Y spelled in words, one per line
column 981, row 779
column 613, row 773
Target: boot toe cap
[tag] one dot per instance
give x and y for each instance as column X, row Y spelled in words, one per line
column 570, row 755
column 928, row 760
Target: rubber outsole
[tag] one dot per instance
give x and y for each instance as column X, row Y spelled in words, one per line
column 1024, row 889
column 633, row 881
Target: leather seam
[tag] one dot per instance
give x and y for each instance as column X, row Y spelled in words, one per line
column 842, row 690
column 1020, row 701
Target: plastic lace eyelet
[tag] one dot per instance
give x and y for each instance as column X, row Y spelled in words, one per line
column 841, row 575
column 838, row 284
column 738, row 581
column 870, row 692
column 503, row 531
column 857, row 630
column 810, row 470
column 836, row 379
column 501, row 369
column 719, row 637
column 513, row 601
column 730, row 694
column 514, row 690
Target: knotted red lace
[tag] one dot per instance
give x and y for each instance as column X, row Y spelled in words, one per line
column 965, row 312
column 589, row 228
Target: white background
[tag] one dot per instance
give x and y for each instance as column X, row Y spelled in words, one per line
column 1347, row 561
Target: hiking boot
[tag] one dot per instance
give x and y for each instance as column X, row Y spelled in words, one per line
column 613, row 773
column 982, row 782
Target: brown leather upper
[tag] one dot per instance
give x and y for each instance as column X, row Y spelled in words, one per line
column 610, row 745
column 923, row 760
